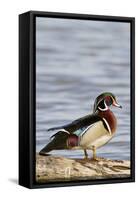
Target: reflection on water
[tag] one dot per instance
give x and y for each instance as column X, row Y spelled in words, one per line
column 76, row 60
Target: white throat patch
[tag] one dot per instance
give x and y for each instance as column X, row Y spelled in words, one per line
column 103, row 109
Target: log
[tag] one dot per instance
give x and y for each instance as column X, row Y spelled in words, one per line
column 53, row 169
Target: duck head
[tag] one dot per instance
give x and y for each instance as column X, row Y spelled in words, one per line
column 104, row 101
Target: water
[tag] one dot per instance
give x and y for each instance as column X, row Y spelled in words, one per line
column 75, row 62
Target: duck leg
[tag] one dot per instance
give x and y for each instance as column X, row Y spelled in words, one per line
column 85, row 154
column 94, row 153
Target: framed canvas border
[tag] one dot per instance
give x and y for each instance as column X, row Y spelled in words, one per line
column 27, row 97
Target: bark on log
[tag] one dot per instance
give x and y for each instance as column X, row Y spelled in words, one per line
column 51, row 168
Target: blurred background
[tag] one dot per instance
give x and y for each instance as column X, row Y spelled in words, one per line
column 76, row 60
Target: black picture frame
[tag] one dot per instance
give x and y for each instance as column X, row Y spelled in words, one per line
column 27, row 94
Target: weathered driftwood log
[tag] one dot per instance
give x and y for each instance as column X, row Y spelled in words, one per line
column 51, row 168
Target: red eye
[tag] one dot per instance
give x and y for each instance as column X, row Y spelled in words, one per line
column 108, row 100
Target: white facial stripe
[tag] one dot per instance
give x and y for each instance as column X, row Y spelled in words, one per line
column 103, row 109
column 110, row 132
column 117, row 105
column 96, row 105
column 112, row 98
column 105, row 105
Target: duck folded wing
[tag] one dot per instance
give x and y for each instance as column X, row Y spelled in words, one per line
column 83, row 132
column 79, row 125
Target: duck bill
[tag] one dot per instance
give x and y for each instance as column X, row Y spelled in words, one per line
column 116, row 104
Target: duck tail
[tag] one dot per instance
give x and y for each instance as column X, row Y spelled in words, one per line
column 58, row 142
column 45, row 150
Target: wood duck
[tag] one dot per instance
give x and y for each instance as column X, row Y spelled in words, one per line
column 89, row 132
